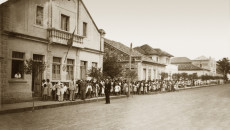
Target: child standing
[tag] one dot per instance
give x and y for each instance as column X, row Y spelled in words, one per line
column 45, row 90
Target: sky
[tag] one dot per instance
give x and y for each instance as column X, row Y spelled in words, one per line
column 183, row 28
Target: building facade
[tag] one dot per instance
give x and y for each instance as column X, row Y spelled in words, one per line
column 206, row 63
column 40, row 30
column 158, row 56
column 185, row 65
column 146, row 67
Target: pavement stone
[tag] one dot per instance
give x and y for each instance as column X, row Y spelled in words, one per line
column 204, row 108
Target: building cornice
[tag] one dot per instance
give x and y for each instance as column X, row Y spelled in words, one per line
column 153, row 63
column 93, row 50
column 25, row 36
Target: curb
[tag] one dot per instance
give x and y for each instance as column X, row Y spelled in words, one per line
column 17, row 110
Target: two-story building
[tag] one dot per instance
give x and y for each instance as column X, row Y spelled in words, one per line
column 39, row 30
column 147, row 67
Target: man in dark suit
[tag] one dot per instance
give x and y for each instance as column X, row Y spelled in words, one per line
column 83, row 89
column 107, row 91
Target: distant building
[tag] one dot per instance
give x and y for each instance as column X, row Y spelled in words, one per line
column 145, row 66
column 206, row 63
column 39, row 30
column 159, row 56
column 185, row 66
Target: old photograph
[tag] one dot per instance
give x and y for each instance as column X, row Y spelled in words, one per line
column 114, row 64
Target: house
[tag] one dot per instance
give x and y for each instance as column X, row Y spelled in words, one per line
column 185, row 66
column 206, row 63
column 159, row 56
column 39, row 30
column 146, row 67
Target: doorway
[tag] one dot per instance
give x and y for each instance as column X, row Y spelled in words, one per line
column 83, row 70
column 37, row 75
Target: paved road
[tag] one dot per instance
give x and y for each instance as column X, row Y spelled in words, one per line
column 202, row 108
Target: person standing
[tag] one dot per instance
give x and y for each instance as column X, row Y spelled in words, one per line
column 107, row 91
column 71, row 90
column 83, row 89
column 49, row 88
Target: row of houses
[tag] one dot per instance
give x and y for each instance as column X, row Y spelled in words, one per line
column 39, row 30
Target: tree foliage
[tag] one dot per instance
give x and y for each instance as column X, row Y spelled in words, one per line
column 34, row 67
column 164, row 75
column 111, row 66
column 132, row 74
column 96, row 73
column 176, row 76
column 223, row 66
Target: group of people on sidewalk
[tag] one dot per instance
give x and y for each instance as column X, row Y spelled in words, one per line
column 83, row 89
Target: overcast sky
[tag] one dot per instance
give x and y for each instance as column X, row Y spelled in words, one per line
column 189, row 28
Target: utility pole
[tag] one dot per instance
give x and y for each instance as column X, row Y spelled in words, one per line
column 130, row 58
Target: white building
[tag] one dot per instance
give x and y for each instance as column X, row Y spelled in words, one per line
column 39, row 30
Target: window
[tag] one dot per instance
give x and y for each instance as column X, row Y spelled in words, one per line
column 94, row 64
column 38, row 58
column 149, row 74
column 56, row 70
column 200, row 65
column 157, row 59
column 39, row 16
column 64, row 22
column 167, row 60
column 83, row 69
column 84, row 29
column 17, row 65
column 70, row 65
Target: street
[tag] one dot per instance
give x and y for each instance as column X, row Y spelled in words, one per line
column 201, row 108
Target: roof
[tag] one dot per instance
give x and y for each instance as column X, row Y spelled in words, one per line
column 189, row 67
column 125, row 49
column 148, row 50
column 90, row 16
column 3, row 1
column 180, row 60
column 201, row 58
column 122, row 47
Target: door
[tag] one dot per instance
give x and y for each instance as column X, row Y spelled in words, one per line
column 37, row 76
column 83, row 70
column 144, row 74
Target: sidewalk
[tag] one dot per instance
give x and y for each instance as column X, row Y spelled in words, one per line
column 28, row 106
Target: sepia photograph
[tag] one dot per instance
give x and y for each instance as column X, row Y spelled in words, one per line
column 114, row 64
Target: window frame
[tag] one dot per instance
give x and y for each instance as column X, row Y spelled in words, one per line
column 36, row 12
column 22, row 59
column 68, row 66
column 67, row 28
column 55, row 75
column 94, row 63
column 84, row 29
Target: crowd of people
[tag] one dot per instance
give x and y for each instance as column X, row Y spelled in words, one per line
column 83, row 89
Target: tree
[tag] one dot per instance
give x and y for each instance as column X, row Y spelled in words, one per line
column 131, row 74
column 95, row 73
column 194, row 76
column 111, row 66
column 184, row 75
column 164, row 75
column 176, row 76
column 223, row 66
column 34, row 67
